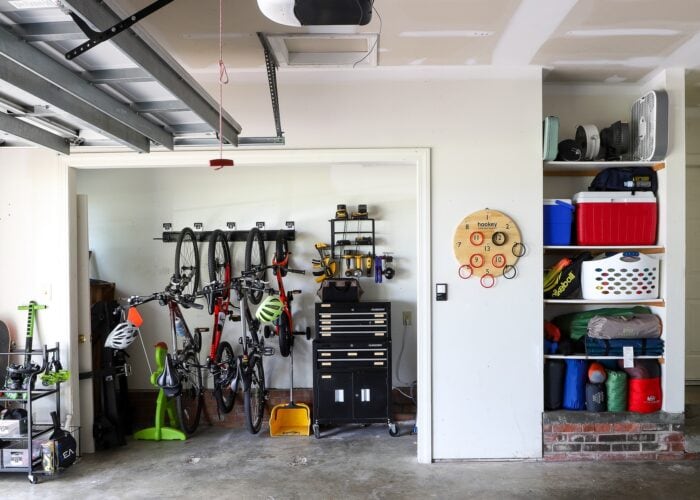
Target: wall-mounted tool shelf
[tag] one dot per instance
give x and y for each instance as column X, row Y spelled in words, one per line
column 267, row 234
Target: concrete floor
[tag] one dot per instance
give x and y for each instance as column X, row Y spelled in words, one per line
column 351, row 462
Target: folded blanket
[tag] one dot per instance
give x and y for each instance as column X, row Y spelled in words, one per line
column 614, row 347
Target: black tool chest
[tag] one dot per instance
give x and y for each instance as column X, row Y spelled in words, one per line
column 352, row 364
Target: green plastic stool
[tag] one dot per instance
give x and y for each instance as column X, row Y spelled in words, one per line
column 160, row 432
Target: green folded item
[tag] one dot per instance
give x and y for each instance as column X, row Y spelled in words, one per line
column 575, row 325
column 616, row 390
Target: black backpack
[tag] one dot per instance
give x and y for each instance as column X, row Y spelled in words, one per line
column 625, row 179
column 568, row 284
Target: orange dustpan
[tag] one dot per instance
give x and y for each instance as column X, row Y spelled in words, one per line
column 291, row 419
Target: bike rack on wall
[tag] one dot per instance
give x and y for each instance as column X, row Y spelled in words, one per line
column 231, row 234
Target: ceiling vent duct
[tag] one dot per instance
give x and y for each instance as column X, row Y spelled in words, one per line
column 317, row 12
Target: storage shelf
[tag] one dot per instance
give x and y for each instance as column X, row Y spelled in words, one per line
column 591, row 168
column 648, row 302
column 647, row 249
column 586, row 356
column 36, row 394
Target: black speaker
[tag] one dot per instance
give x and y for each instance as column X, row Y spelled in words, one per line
column 568, row 150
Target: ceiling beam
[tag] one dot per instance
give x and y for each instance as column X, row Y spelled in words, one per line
column 35, row 135
column 169, row 73
column 117, row 75
column 26, row 80
column 44, row 67
column 49, row 32
column 158, row 106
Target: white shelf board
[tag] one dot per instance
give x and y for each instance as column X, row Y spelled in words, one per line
column 587, row 168
column 653, row 302
column 586, row 356
column 621, row 248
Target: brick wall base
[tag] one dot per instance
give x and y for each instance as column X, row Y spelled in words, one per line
column 572, row 436
column 143, row 404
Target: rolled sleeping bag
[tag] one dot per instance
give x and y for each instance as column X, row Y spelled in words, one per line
column 643, row 368
column 575, row 384
column 616, row 390
column 625, row 326
column 554, row 371
column 644, row 395
column 595, row 397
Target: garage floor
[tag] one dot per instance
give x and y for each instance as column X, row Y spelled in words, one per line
column 352, row 462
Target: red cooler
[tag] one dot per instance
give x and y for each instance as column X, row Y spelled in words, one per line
column 615, row 218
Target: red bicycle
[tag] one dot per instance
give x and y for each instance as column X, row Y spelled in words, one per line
column 284, row 326
column 221, row 361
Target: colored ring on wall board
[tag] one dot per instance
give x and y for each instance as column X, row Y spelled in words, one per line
column 498, row 260
column 476, row 238
column 488, row 280
column 518, row 249
column 465, row 271
column 499, row 238
column 510, row 272
column 476, row 260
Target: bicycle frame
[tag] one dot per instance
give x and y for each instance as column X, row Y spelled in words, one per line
column 221, row 311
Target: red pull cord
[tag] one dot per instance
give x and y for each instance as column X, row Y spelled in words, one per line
column 223, row 80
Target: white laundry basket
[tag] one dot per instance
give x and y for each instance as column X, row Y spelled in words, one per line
column 624, row 276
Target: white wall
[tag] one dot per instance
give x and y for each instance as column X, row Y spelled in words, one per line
column 128, row 206
column 483, row 128
column 34, row 253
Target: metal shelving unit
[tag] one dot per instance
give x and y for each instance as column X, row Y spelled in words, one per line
column 34, row 431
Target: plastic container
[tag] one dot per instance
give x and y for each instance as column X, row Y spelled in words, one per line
column 558, row 217
column 615, row 218
column 624, row 276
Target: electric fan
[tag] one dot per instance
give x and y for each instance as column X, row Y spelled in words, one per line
column 649, row 126
column 588, row 139
column 615, row 141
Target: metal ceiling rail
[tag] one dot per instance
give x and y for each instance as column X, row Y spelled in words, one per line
column 158, row 106
column 121, row 75
column 44, row 67
column 168, row 74
column 33, row 134
column 26, row 80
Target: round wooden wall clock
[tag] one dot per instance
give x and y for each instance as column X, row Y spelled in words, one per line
column 487, row 244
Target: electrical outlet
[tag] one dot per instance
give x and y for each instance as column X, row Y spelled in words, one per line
column 407, row 318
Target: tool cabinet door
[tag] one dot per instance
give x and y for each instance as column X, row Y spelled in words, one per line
column 333, row 395
column 370, row 393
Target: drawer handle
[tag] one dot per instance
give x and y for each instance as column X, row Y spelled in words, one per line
column 326, row 323
column 378, row 334
column 379, row 315
column 325, row 354
column 325, row 316
column 379, row 322
column 325, row 328
column 326, row 376
column 379, row 363
column 326, row 363
column 352, row 354
column 325, row 335
column 379, row 354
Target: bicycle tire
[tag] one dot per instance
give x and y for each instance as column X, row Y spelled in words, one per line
column 281, row 250
column 219, row 260
column 254, row 399
column 187, row 260
column 255, row 262
column 223, row 393
column 286, row 336
column 189, row 402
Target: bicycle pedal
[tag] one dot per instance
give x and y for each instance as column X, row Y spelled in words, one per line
column 268, row 351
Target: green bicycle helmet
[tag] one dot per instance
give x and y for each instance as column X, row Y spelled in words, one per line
column 270, row 309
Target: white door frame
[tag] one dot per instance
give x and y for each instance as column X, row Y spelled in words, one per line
column 411, row 157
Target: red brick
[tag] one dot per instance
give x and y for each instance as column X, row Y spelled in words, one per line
column 670, row 455
column 547, row 428
column 625, row 427
column 603, row 427
column 654, row 427
column 588, row 427
column 620, row 456
column 566, row 427
column 671, row 437
column 677, row 446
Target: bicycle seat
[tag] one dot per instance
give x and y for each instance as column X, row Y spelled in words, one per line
column 169, row 380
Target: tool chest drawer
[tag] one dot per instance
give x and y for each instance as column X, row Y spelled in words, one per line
column 351, row 356
column 346, row 321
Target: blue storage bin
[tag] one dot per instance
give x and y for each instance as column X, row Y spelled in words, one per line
column 558, row 219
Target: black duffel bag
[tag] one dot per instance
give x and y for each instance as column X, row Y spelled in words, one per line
column 340, row 290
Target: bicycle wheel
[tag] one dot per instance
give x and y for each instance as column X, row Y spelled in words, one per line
column 254, row 399
column 187, row 260
column 281, row 250
column 255, row 261
column 285, row 334
column 219, row 260
column 226, row 364
column 189, row 402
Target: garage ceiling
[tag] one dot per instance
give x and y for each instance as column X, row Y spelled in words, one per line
column 604, row 41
